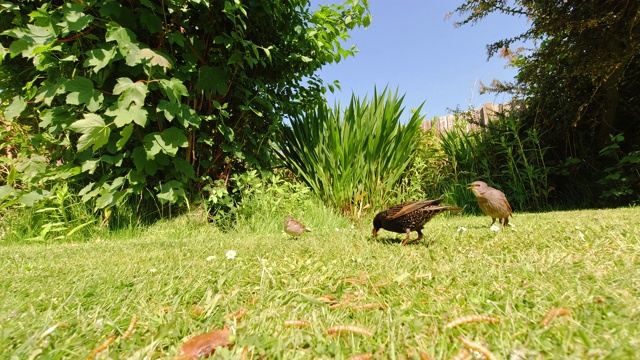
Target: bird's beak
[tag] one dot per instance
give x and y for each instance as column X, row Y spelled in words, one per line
column 375, row 232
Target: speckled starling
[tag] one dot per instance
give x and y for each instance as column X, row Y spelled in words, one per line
column 492, row 202
column 408, row 217
column 293, row 227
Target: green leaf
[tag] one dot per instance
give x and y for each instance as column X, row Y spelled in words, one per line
column 49, row 89
column 139, row 156
column 90, row 166
column 16, row 107
column 106, row 198
column 167, row 142
column 3, row 52
column 170, row 109
column 125, row 135
column 74, row 19
column 81, row 91
column 185, row 114
column 94, row 132
column 212, row 80
column 184, row 167
column 6, row 191
column 174, row 89
column 101, row 57
column 32, row 166
column 151, row 21
column 31, row 40
column 29, row 199
column 56, row 119
column 124, row 117
column 171, row 191
column 126, row 40
column 130, row 92
column 176, row 37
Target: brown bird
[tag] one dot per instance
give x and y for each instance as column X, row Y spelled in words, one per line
column 293, row 227
column 492, row 202
column 408, row 217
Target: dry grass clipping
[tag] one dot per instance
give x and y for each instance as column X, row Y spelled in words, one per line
column 477, row 347
column 471, row 319
column 552, row 314
column 296, row 323
column 341, row 329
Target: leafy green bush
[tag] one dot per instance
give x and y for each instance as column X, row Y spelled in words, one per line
column 347, row 155
column 152, row 101
column 621, row 185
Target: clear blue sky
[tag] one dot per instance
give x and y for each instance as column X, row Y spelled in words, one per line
column 410, row 46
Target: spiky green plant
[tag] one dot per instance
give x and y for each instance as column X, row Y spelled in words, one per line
column 342, row 155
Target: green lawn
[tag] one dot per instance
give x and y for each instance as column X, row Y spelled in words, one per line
column 62, row 300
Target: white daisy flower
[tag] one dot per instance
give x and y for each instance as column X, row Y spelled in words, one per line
column 494, row 228
column 462, row 228
column 230, row 254
column 212, row 257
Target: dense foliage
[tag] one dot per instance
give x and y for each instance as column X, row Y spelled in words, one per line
column 347, row 154
column 580, row 83
column 154, row 100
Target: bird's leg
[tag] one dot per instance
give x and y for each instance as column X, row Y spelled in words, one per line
column 408, row 239
column 493, row 220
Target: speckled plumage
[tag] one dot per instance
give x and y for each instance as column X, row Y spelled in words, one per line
column 492, row 202
column 293, row 227
column 408, row 217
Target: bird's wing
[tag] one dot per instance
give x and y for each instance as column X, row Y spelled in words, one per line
column 502, row 198
column 443, row 208
column 400, row 210
column 294, row 222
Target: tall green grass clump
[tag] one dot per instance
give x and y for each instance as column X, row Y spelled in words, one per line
column 343, row 155
column 504, row 154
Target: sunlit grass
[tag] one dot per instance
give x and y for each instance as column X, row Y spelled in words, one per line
column 63, row 300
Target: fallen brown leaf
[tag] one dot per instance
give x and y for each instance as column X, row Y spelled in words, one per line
column 204, row 344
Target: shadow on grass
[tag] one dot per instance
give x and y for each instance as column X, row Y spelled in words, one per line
column 386, row 240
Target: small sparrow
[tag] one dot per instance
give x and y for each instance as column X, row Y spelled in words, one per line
column 293, row 227
column 492, row 202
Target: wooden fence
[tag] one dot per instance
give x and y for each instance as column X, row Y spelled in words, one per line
column 482, row 116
